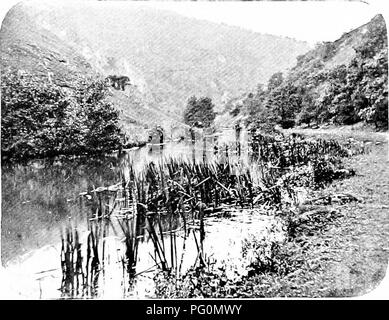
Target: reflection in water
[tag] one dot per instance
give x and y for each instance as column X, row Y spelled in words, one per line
column 109, row 240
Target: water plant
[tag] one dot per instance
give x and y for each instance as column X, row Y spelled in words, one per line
column 173, row 197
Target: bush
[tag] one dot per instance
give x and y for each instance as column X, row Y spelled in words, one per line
column 42, row 119
column 266, row 256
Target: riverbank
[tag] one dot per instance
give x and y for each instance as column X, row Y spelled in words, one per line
column 349, row 257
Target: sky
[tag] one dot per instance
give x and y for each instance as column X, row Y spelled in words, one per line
column 308, row 21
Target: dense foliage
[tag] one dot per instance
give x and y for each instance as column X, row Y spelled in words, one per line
column 318, row 90
column 42, row 119
column 199, row 112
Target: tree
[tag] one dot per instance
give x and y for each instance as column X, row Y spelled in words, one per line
column 285, row 101
column 259, row 114
column 41, row 119
column 101, row 118
column 308, row 111
column 199, row 112
column 371, row 91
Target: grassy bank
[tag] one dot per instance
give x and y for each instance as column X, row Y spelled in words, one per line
column 350, row 257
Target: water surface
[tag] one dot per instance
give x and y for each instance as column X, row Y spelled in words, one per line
column 40, row 199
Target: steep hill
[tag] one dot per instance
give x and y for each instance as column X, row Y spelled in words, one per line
column 27, row 48
column 342, row 82
column 346, row 81
column 167, row 57
column 329, row 55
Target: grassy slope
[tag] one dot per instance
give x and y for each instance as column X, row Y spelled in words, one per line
column 359, row 243
column 350, row 257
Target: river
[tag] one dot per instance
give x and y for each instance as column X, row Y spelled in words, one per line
column 41, row 199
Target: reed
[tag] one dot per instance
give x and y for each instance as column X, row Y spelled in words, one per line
column 294, row 150
column 73, row 278
column 130, row 229
column 173, row 197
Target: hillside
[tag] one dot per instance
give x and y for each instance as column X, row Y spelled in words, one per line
column 346, row 80
column 167, row 57
column 342, row 83
column 330, row 55
column 27, row 48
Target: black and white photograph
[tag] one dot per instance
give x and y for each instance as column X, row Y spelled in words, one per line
column 193, row 150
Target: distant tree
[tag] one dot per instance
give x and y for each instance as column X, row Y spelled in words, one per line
column 259, row 114
column 300, row 59
column 275, row 81
column 199, row 112
column 252, row 105
column 285, row 101
column 327, row 50
column 308, row 111
column 264, row 121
